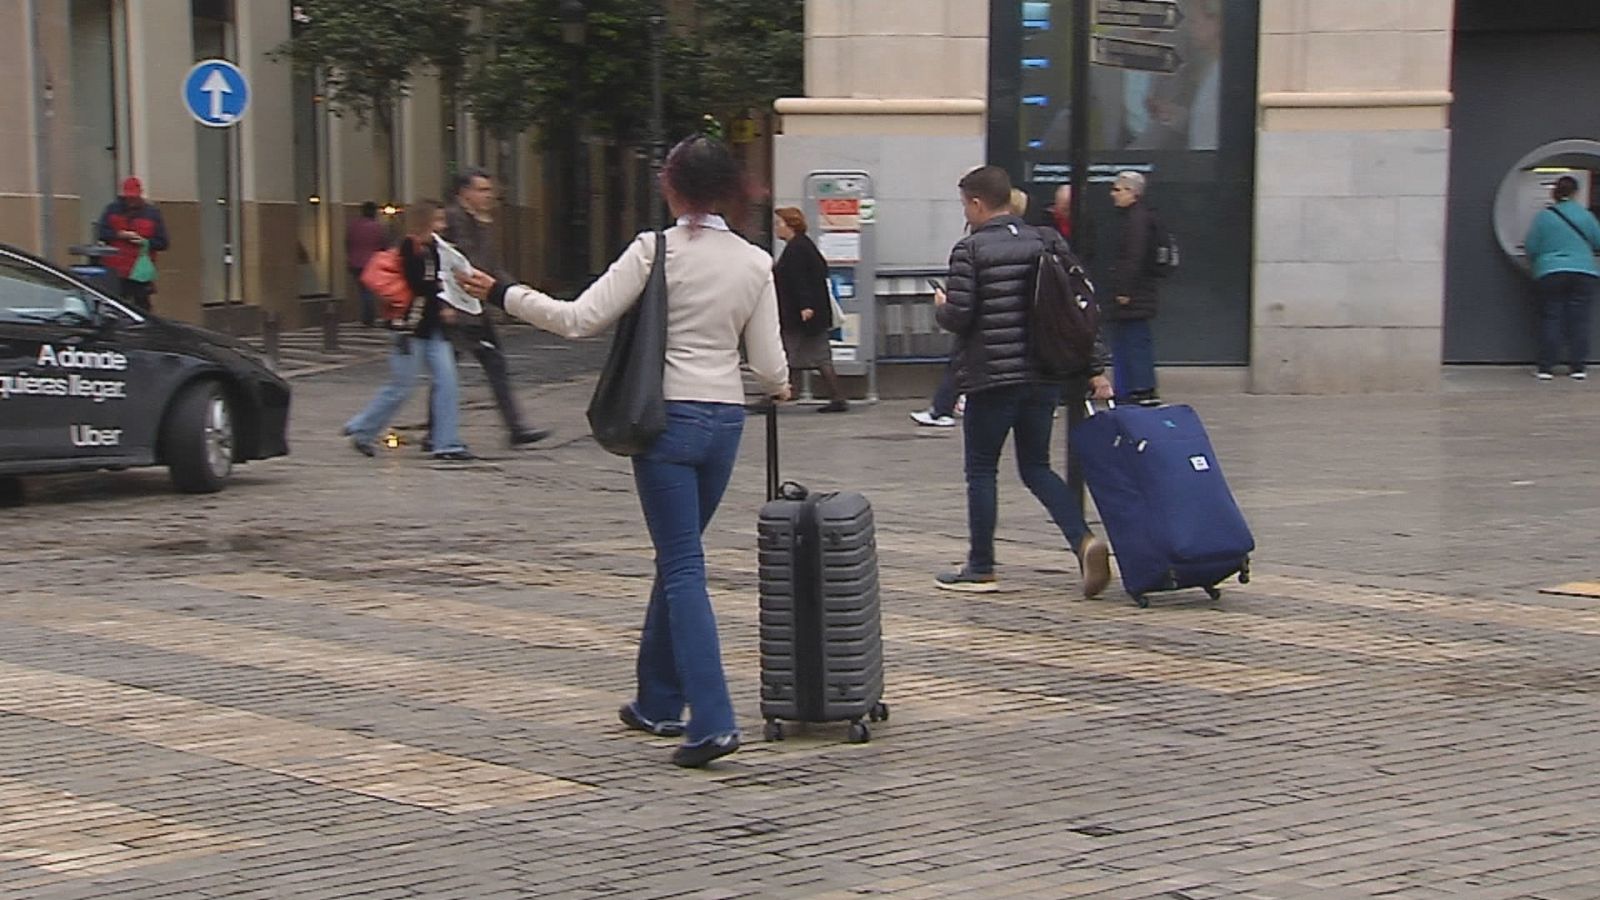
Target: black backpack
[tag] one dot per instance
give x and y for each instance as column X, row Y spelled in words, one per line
column 1161, row 256
column 1063, row 317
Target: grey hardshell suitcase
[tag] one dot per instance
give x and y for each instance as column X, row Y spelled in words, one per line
column 821, row 634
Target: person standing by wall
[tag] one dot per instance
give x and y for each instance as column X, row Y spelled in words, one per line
column 470, row 228
column 987, row 309
column 1134, row 295
column 136, row 229
column 362, row 238
column 804, row 308
column 1562, row 243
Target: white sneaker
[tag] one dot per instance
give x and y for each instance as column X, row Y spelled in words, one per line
column 927, row 418
column 1579, row 376
column 1544, row 376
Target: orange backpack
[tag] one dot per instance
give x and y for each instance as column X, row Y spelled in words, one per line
column 385, row 277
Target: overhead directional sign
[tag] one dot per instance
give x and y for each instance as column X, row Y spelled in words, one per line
column 1144, row 56
column 1151, row 15
column 216, row 93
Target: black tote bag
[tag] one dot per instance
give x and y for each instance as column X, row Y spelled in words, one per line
column 628, row 410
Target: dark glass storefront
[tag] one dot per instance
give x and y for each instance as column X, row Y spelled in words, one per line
column 1524, row 74
column 1082, row 89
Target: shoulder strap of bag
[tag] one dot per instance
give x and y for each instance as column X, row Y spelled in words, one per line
column 1574, row 226
column 660, row 259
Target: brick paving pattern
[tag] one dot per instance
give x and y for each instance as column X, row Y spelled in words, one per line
column 393, row 678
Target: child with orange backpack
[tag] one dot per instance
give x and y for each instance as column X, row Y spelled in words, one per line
column 406, row 281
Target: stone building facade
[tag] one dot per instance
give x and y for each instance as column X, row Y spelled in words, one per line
column 1302, row 150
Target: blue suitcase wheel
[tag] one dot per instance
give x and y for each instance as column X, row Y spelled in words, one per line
column 1142, row 601
column 1244, row 572
column 1213, row 592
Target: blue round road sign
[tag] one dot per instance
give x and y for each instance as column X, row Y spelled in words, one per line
column 216, row 93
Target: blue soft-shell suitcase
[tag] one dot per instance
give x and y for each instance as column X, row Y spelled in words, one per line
column 1168, row 513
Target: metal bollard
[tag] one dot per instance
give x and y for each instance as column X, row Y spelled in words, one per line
column 269, row 338
column 330, row 326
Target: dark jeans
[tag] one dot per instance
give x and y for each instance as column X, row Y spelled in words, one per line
column 138, row 293
column 369, row 303
column 1564, row 299
column 944, row 396
column 1028, row 410
column 680, row 482
column 477, row 332
column 1133, row 352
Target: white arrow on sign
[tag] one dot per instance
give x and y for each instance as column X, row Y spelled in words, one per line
column 216, row 85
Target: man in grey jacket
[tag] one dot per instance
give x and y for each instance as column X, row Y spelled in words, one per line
column 987, row 309
column 469, row 227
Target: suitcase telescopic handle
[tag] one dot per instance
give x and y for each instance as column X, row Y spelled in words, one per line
column 1089, row 405
column 772, row 450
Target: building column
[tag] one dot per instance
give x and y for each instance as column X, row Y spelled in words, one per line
column 23, row 212
column 162, row 151
column 1351, row 173
column 269, row 211
column 897, row 88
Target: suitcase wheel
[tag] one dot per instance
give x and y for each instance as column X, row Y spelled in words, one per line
column 858, row 733
column 879, row 712
column 1213, row 592
column 773, row 731
column 1142, row 601
column 1244, row 572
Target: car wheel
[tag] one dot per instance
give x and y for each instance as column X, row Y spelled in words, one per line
column 198, row 438
column 10, row 492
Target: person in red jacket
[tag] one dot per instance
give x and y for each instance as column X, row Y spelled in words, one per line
column 132, row 225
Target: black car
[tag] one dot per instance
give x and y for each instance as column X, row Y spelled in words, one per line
column 86, row 382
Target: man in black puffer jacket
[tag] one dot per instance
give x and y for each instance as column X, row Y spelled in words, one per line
column 991, row 273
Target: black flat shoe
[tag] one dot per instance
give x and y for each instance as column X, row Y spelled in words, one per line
column 363, row 447
column 693, row 756
column 664, row 728
column 835, row 406
column 526, row 436
column 455, row 456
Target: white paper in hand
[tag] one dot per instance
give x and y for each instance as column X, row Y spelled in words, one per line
column 450, row 290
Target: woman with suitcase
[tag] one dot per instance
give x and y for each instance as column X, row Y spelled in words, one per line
column 720, row 290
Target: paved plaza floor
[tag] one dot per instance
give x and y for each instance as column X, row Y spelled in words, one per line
column 346, row 677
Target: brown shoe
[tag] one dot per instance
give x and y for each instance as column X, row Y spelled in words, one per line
column 1094, row 559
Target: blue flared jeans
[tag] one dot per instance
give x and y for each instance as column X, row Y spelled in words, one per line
column 680, row 481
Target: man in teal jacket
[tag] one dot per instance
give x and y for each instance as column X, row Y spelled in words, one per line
column 1562, row 243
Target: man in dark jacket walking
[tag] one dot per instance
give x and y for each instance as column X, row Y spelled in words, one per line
column 468, row 224
column 132, row 226
column 1134, row 295
column 987, row 309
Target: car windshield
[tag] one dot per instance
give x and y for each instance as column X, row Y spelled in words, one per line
column 29, row 293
